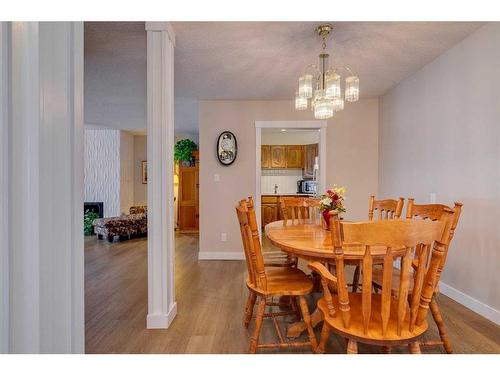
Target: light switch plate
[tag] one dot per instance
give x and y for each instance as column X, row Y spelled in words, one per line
column 223, row 237
column 216, row 177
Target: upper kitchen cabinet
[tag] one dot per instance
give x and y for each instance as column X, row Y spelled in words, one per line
column 310, row 153
column 265, row 156
column 278, row 156
column 294, row 156
column 289, row 157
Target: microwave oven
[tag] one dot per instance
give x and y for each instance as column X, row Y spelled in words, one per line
column 306, row 187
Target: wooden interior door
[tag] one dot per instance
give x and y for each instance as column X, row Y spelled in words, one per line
column 188, row 199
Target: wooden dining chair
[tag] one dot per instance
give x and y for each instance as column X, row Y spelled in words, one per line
column 265, row 283
column 433, row 212
column 274, row 258
column 299, row 208
column 382, row 319
column 386, row 209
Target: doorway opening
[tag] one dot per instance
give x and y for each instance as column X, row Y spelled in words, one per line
column 290, row 160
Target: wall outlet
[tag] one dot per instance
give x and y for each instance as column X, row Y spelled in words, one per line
column 432, row 197
column 216, row 177
column 223, row 237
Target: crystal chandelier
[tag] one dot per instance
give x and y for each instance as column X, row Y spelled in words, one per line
column 320, row 86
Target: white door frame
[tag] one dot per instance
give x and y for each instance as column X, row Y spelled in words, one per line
column 312, row 124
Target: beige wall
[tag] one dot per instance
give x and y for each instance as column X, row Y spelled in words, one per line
column 352, row 160
column 440, row 133
column 140, row 154
column 126, row 171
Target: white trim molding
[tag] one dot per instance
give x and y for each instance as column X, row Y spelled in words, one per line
column 477, row 306
column 162, row 27
column 312, row 124
column 160, row 321
column 221, row 255
column 160, row 137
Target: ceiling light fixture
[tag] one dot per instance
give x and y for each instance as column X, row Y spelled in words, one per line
column 320, row 86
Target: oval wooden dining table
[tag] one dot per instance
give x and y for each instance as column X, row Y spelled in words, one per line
column 307, row 239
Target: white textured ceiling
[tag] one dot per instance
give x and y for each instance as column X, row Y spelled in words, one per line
column 249, row 60
column 115, row 74
column 263, row 60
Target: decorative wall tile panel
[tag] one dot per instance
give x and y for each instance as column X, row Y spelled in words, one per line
column 102, row 169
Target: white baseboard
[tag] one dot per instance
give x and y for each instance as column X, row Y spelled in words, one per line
column 477, row 306
column 221, row 255
column 161, row 321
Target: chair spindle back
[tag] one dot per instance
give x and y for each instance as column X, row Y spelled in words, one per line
column 251, row 243
column 299, row 208
column 435, row 212
column 387, row 208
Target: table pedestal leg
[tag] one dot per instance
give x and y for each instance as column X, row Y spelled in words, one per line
column 295, row 330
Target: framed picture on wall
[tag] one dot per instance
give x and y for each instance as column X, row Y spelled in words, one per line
column 144, row 172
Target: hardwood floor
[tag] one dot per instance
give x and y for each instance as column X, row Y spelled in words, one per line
column 210, row 309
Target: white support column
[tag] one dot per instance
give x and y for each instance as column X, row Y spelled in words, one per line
column 24, row 188
column 4, row 185
column 46, row 195
column 162, row 307
column 61, row 187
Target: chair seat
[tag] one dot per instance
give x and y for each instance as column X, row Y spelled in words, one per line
column 284, row 282
column 374, row 334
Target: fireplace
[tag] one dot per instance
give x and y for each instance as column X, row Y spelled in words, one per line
column 97, row 207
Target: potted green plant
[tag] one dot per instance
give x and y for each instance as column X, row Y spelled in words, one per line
column 183, row 151
column 88, row 219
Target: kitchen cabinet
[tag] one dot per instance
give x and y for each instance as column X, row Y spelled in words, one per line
column 281, row 156
column 294, row 156
column 265, row 156
column 310, row 153
column 269, row 209
column 269, row 213
column 278, row 156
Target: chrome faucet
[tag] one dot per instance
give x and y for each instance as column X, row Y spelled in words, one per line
column 275, row 189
